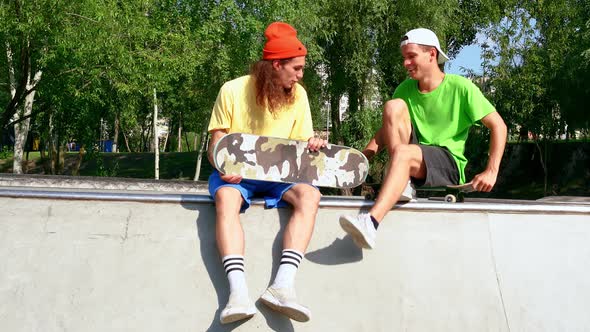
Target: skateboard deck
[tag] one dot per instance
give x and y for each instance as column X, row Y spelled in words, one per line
column 285, row 160
column 453, row 193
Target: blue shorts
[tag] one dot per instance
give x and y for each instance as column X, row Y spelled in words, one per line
column 272, row 192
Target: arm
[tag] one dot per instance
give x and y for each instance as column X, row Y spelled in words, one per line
column 486, row 180
column 215, row 136
column 372, row 148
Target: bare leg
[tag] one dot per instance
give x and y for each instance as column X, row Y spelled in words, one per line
column 305, row 201
column 230, row 243
column 280, row 296
column 406, row 159
column 229, row 232
column 396, row 128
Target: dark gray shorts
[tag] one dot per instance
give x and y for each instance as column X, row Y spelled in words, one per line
column 441, row 168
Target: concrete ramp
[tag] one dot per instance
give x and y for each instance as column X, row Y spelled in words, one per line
column 104, row 264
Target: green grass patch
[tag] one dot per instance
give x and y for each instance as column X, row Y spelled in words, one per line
column 173, row 165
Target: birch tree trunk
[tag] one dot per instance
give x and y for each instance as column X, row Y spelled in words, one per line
column 52, row 149
column 165, row 141
column 126, row 141
column 204, row 139
column 156, row 143
column 21, row 128
column 179, row 148
column 116, row 134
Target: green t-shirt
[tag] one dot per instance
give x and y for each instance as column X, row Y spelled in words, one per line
column 443, row 116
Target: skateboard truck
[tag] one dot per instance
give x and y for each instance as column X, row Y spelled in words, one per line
column 453, row 193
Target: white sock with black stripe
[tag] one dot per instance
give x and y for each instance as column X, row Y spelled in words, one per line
column 290, row 261
column 234, row 269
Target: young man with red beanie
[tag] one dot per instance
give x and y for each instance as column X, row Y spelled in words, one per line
column 424, row 130
column 267, row 102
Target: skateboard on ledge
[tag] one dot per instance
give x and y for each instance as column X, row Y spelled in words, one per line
column 284, row 160
column 453, row 193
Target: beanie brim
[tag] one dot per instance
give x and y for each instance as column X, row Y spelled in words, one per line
column 283, row 49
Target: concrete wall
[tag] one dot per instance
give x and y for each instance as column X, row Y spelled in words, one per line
column 94, row 265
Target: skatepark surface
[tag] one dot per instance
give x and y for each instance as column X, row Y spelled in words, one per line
column 117, row 259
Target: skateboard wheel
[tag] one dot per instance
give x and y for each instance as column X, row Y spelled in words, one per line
column 370, row 196
column 450, row 198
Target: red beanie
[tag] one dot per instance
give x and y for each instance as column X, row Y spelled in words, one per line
column 282, row 42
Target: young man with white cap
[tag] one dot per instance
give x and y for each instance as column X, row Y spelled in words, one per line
column 267, row 102
column 424, row 130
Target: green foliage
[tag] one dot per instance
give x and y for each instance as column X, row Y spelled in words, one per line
column 101, row 60
column 537, row 67
column 362, row 125
column 476, row 150
column 5, row 152
column 361, row 45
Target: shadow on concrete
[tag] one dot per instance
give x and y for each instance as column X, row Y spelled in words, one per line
column 341, row 251
column 205, row 224
column 274, row 320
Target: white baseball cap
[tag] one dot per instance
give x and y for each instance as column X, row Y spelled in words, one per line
column 424, row 37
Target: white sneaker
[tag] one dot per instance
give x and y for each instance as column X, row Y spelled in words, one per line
column 409, row 193
column 284, row 301
column 361, row 229
column 237, row 308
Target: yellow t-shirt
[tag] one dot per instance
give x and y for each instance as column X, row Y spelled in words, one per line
column 237, row 111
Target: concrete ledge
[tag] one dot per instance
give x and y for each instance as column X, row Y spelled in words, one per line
column 102, row 183
column 100, row 265
column 496, row 206
column 565, row 199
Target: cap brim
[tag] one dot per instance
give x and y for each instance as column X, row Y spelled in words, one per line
column 442, row 57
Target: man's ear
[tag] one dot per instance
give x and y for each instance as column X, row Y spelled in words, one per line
column 276, row 64
column 434, row 54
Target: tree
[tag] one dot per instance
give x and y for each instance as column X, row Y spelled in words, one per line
column 27, row 34
column 101, row 61
column 537, row 70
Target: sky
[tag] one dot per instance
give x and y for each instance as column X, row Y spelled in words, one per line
column 469, row 57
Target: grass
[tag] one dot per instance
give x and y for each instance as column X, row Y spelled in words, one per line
column 173, row 165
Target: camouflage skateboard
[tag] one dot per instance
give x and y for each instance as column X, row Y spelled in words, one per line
column 285, row 160
column 453, row 193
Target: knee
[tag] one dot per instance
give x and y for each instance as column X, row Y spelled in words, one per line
column 306, row 196
column 400, row 153
column 395, row 109
column 228, row 199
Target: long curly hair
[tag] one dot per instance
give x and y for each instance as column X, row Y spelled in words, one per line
column 270, row 93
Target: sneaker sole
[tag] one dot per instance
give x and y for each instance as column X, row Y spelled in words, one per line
column 406, row 198
column 357, row 236
column 236, row 317
column 292, row 313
